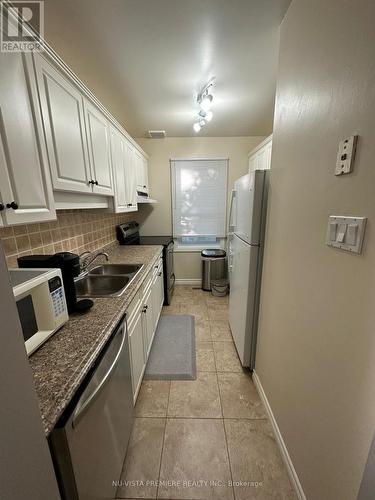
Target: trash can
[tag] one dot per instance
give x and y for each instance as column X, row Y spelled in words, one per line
column 219, row 288
column 213, row 266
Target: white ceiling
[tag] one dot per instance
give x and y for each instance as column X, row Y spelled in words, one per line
column 147, row 59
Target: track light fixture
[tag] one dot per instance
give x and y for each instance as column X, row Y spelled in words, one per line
column 206, row 115
column 205, row 100
column 196, row 127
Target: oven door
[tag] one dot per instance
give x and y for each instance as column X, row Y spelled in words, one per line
column 169, row 275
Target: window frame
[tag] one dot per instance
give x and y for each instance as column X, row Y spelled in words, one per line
column 220, row 240
column 183, row 247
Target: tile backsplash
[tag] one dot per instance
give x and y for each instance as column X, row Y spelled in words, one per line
column 74, row 231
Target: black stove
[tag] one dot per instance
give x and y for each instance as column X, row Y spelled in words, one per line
column 155, row 240
column 128, row 234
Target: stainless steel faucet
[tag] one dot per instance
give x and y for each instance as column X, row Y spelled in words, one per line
column 89, row 259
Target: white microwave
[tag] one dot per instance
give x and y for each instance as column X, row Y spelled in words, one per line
column 41, row 304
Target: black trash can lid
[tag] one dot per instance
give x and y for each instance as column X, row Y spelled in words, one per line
column 213, row 253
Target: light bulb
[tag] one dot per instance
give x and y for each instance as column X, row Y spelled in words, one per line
column 206, row 102
column 208, row 116
column 196, row 127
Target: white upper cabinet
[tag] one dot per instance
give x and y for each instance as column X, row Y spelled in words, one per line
column 118, row 166
column 56, row 136
column 99, row 149
column 141, row 167
column 63, row 115
column 25, row 184
column 123, row 173
column 260, row 157
column 130, row 177
column 145, row 173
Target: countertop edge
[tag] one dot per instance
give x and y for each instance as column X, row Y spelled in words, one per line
column 62, row 397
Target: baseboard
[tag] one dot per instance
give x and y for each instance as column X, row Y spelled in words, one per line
column 193, row 282
column 280, row 441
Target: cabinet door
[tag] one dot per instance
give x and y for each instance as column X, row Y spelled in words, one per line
column 160, row 288
column 148, row 321
column 138, row 163
column 252, row 163
column 136, row 351
column 145, row 173
column 158, row 294
column 118, row 165
column 99, row 149
column 268, row 156
column 130, row 177
column 24, row 173
column 63, row 117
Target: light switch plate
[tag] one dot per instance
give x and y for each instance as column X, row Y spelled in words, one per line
column 346, row 233
column 345, row 155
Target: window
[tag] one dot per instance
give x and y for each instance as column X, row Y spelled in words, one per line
column 199, row 196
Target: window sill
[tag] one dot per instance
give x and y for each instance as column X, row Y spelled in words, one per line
column 193, row 249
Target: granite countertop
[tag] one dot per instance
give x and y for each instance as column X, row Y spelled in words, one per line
column 60, row 365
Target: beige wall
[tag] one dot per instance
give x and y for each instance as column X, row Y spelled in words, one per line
column 316, row 350
column 157, row 219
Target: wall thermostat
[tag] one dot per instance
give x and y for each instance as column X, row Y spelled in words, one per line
column 345, row 155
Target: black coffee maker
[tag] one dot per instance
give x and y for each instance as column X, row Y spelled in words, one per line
column 70, row 268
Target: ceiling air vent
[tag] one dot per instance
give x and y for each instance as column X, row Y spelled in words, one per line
column 156, row 134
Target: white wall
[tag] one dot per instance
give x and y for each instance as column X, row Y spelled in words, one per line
column 26, row 469
column 157, row 219
column 316, row 350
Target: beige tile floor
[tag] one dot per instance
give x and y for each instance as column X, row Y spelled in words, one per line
column 209, row 438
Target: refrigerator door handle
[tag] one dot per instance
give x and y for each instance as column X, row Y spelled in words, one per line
column 232, row 224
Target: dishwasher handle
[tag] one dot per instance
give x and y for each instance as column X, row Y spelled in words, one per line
column 82, row 409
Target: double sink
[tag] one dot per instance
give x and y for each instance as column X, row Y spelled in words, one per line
column 107, row 280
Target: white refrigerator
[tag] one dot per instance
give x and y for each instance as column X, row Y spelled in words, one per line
column 245, row 248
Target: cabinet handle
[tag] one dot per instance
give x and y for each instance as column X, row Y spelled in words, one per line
column 91, row 182
column 130, row 204
column 159, row 274
column 145, row 187
column 13, row 205
column 1, row 207
column 96, row 183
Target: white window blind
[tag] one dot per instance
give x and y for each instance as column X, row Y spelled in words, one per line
column 199, row 196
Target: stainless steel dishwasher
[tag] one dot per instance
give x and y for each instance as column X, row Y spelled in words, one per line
column 89, row 444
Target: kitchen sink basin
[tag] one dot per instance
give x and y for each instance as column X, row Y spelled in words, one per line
column 107, row 280
column 102, row 286
column 116, row 269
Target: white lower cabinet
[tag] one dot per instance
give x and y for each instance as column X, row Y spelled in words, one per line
column 142, row 316
column 157, row 293
column 136, row 346
column 147, row 321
